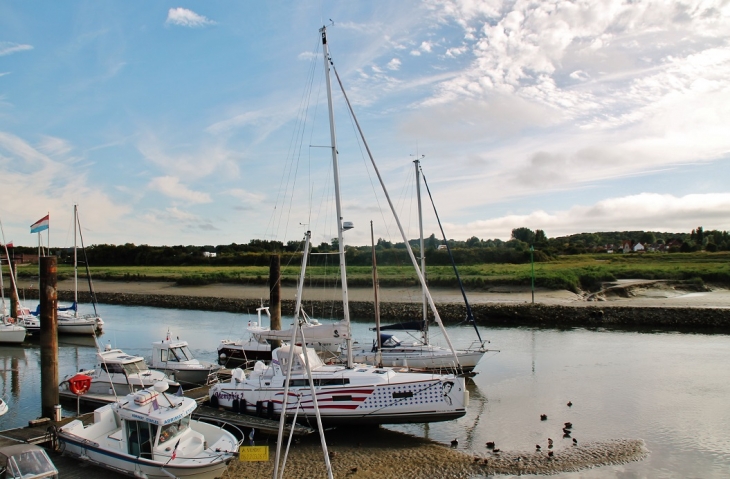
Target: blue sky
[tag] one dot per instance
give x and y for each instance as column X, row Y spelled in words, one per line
column 182, row 123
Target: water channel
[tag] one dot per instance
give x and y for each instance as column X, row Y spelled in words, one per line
column 670, row 389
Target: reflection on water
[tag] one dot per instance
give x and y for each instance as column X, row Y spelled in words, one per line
column 669, row 389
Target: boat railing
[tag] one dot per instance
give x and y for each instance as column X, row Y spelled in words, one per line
column 214, row 421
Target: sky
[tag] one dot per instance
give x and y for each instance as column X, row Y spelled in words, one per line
column 205, row 123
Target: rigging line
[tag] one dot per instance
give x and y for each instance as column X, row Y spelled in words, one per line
column 281, row 192
column 92, row 293
column 469, row 314
column 421, row 279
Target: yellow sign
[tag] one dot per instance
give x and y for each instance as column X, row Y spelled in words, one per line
column 253, row 453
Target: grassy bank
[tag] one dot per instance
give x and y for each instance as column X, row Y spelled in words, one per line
column 574, row 273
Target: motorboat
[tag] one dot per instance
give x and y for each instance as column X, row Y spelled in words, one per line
column 118, row 373
column 173, row 357
column 362, row 394
column 322, row 337
column 151, row 434
column 11, row 332
column 26, row 461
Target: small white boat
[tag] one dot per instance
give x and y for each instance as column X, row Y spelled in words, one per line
column 174, row 357
column 3, row 407
column 69, row 321
column 26, row 461
column 151, row 434
column 10, row 332
column 320, row 337
column 118, row 374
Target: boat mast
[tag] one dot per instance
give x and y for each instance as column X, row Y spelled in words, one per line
column 76, row 270
column 378, row 354
column 336, row 174
column 424, row 302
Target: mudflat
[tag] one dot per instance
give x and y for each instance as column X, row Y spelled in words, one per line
column 634, row 293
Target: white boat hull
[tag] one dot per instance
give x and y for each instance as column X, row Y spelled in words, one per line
column 424, row 358
column 12, row 334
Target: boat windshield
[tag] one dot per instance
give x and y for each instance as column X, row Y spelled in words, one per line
column 136, row 366
column 30, row 464
column 169, row 431
column 179, row 354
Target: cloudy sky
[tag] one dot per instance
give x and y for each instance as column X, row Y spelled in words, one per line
column 206, row 122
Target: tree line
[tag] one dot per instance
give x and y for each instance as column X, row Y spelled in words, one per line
column 471, row 251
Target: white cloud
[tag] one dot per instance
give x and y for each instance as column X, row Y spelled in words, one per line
column 186, row 18
column 7, row 48
column 170, row 186
column 188, row 163
column 245, row 196
column 394, row 64
column 645, row 211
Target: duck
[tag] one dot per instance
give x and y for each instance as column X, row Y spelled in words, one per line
column 575, row 442
column 550, row 441
column 566, row 430
column 566, row 435
column 490, row 445
column 454, row 443
column 570, row 403
column 537, row 447
column 568, row 425
column 543, row 417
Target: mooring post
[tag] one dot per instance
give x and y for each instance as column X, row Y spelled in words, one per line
column 13, row 291
column 275, row 295
column 49, row 337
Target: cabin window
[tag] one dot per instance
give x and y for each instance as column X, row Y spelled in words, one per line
column 299, row 383
column 136, row 367
column 342, row 398
column 179, row 354
column 169, row 431
column 139, row 438
column 112, row 368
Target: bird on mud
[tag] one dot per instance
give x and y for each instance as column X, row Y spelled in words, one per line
column 568, row 425
column 454, row 443
column 490, row 445
column 575, row 442
column 543, row 417
column 570, row 403
column 537, row 447
column 550, row 453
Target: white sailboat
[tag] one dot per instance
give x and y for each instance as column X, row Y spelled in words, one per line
column 419, row 354
column 10, row 331
column 69, row 319
column 151, row 434
column 343, row 394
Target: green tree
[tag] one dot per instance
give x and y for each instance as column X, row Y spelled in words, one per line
column 647, row 238
column 526, row 235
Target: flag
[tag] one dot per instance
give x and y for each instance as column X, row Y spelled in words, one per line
column 174, row 451
column 155, row 406
column 179, row 392
column 40, row 225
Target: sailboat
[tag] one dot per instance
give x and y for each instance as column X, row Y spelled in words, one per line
column 343, row 394
column 388, row 350
column 10, row 332
column 69, row 320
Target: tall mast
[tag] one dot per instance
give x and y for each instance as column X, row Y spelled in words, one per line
column 336, row 174
column 424, row 302
column 76, row 268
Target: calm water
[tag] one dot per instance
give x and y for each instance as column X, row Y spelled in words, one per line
column 670, row 389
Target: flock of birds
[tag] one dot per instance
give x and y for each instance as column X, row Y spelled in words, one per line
column 567, row 430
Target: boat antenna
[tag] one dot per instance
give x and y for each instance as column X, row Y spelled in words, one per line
column 469, row 314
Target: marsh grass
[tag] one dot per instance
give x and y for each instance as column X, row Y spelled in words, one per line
column 574, row 273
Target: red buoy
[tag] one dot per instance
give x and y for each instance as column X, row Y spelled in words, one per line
column 79, row 384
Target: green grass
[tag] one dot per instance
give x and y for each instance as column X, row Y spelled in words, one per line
column 578, row 272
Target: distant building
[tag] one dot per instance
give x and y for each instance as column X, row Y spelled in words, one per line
column 208, row 254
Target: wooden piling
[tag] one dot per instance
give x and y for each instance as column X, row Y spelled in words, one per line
column 275, row 295
column 47, row 288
